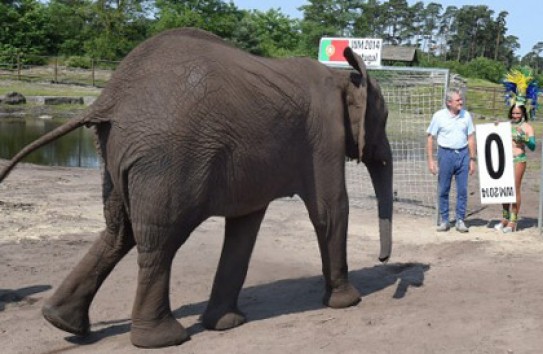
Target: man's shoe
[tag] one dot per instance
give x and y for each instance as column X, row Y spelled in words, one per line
column 444, row 226
column 461, row 227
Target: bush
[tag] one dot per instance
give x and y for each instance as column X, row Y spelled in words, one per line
column 484, row 68
column 8, row 55
column 11, row 56
column 478, row 68
column 78, row 62
column 34, row 59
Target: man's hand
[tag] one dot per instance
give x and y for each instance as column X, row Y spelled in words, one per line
column 432, row 166
column 471, row 167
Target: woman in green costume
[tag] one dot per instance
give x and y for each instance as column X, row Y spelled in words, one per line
column 523, row 136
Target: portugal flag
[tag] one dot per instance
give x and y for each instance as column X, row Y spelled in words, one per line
column 332, row 49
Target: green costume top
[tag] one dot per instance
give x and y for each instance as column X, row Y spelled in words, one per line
column 520, row 137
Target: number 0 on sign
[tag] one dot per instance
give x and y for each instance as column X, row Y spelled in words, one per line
column 495, row 163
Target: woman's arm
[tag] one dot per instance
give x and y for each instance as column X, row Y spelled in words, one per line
column 529, row 137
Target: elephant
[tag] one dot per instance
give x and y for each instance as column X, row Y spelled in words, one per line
column 190, row 127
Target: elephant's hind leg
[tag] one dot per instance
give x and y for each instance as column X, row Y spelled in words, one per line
column 240, row 235
column 68, row 308
column 153, row 324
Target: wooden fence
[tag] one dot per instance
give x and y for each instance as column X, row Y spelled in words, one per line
column 55, row 70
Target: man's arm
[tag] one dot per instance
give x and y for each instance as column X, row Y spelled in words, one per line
column 430, row 154
column 472, row 147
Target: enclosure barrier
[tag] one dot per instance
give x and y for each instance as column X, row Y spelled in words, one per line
column 59, row 70
column 412, row 95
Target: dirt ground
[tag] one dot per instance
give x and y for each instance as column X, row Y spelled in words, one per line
column 479, row 292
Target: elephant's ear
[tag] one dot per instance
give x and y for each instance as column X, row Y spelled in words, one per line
column 376, row 148
column 360, row 93
column 355, row 61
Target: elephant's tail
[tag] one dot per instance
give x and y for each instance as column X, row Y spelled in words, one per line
column 64, row 129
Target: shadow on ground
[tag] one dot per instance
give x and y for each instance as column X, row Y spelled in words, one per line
column 523, row 223
column 20, row 296
column 288, row 296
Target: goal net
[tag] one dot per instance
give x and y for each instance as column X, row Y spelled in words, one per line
column 412, row 96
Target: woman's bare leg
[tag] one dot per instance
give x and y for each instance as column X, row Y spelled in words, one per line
column 520, row 168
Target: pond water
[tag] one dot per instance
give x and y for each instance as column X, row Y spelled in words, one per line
column 75, row 149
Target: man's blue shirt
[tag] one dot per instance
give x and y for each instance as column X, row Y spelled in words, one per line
column 452, row 131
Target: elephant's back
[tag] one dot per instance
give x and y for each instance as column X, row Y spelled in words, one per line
column 192, row 110
column 195, row 81
column 193, row 60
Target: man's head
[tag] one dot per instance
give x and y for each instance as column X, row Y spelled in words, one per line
column 454, row 101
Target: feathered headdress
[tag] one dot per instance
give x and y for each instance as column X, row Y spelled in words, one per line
column 521, row 89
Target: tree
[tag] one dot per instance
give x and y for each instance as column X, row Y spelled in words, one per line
column 270, row 33
column 432, row 18
column 446, row 29
column 537, row 62
column 511, row 44
column 397, row 21
column 416, row 13
column 472, row 32
column 117, row 27
column 335, row 18
column 211, row 15
column 369, row 23
column 69, row 18
column 501, row 29
column 25, row 28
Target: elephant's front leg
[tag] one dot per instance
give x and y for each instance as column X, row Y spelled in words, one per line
column 240, row 235
column 330, row 217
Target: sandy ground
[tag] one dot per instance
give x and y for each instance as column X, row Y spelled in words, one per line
column 479, row 292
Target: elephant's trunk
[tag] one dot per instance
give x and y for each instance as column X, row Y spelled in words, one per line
column 381, row 177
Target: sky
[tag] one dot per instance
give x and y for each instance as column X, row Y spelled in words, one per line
column 523, row 21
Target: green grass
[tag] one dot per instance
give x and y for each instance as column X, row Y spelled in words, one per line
column 45, row 89
column 485, row 99
column 481, row 83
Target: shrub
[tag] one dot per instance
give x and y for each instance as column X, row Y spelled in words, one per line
column 79, row 62
column 484, row 68
column 8, row 55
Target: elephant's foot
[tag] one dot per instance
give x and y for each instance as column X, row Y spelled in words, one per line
column 343, row 296
column 222, row 320
column 157, row 334
column 67, row 318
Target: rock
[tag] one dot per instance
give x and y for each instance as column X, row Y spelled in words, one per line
column 63, row 100
column 13, row 98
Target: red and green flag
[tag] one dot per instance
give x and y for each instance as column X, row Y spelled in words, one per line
column 332, row 49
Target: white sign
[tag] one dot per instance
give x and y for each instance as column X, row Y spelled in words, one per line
column 496, row 167
column 331, row 50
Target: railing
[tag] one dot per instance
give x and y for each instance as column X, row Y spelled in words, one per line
column 486, row 102
column 55, row 70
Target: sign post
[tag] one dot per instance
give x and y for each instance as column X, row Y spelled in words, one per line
column 495, row 163
column 331, row 50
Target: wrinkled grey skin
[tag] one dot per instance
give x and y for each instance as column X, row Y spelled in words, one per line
column 190, row 127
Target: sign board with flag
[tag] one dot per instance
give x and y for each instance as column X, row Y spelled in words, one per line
column 331, row 50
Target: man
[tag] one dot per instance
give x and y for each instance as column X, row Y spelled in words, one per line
column 453, row 128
